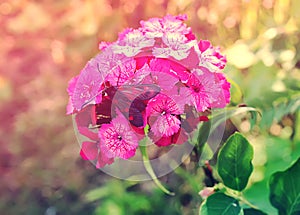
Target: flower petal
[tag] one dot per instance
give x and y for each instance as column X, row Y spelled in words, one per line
column 165, row 125
column 102, row 160
column 117, row 139
column 89, row 150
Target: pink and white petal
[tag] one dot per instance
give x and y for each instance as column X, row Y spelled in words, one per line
column 104, row 45
column 122, row 73
column 174, row 40
column 111, row 146
column 70, row 108
column 89, row 150
column 128, row 51
column 122, row 35
column 175, row 24
column 146, row 42
column 107, row 61
column 152, row 28
column 161, row 52
column 165, row 125
column 201, row 101
column 87, row 86
column 180, row 54
column 117, row 139
column 214, row 86
column 210, row 56
column 222, row 97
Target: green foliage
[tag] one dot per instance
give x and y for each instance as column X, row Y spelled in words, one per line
column 251, row 211
column 285, row 190
column 234, row 162
column 220, row 204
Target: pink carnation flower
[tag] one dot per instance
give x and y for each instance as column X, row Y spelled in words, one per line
column 117, row 139
column 163, row 116
column 132, row 42
column 157, row 27
column 158, row 76
column 207, row 90
column 210, row 57
column 122, row 73
column 177, row 46
column 87, row 86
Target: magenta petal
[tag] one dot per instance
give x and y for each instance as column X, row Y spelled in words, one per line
column 204, row 45
column 122, row 73
column 71, row 85
column 178, row 138
column 118, row 139
column 89, row 151
column 162, row 141
column 102, row 160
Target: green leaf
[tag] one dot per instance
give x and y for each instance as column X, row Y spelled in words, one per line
column 252, row 211
column 234, row 162
column 202, row 137
column 285, row 190
column 258, row 195
column 220, row 204
column 203, row 134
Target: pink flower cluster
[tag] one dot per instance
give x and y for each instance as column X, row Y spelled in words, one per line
column 156, row 80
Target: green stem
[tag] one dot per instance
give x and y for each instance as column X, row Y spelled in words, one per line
column 150, row 171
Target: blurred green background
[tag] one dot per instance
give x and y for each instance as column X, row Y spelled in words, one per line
column 44, row 43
